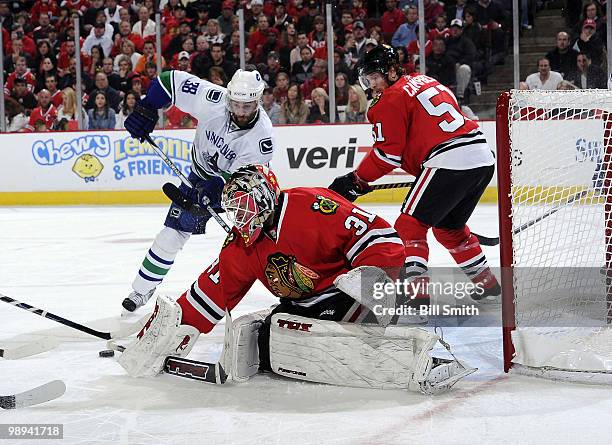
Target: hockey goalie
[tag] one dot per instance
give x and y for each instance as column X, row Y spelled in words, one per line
column 325, row 259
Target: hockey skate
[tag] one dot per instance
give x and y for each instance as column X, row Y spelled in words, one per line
column 136, row 300
column 487, row 296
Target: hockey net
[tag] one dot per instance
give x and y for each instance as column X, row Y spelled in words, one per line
column 555, row 193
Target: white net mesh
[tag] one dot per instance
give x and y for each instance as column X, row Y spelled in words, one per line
column 559, row 156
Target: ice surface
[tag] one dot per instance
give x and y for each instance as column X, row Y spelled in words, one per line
column 78, row 262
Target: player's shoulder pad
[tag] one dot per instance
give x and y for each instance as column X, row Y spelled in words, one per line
column 190, row 84
column 319, row 200
column 390, row 97
column 214, row 95
column 266, row 146
column 264, row 133
column 263, row 121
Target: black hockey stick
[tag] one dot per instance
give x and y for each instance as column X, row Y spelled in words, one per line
column 175, row 195
column 495, row 241
column 396, row 185
column 210, row 211
column 552, row 211
column 208, row 372
column 40, row 394
column 58, row 319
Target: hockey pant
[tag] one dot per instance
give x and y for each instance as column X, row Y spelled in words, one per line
column 444, row 200
column 178, row 227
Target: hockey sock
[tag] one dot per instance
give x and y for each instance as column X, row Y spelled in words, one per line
column 465, row 250
column 414, row 235
column 159, row 259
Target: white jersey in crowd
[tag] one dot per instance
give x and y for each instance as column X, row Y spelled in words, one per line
column 220, row 146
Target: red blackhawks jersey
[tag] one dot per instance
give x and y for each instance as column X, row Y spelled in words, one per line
column 417, row 123
column 320, row 235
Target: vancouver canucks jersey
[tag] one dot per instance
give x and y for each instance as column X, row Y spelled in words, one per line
column 220, row 147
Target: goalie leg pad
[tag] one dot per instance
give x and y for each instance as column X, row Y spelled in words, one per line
column 443, row 375
column 366, row 356
column 240, row 357
column 163, row 335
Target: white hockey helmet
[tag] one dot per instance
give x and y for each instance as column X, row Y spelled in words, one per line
column 244, row 92
column 245, row 86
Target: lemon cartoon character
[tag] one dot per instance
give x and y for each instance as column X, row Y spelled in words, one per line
column 87, row 167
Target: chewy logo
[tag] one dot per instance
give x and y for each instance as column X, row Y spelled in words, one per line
column 47, row 153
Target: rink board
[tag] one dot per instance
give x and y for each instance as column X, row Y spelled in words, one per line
column 109, row 167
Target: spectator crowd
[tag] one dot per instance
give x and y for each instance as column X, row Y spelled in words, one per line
column 286, row 40
column 578, row 60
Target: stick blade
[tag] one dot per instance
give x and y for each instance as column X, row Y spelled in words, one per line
column 487, row 241
column 40, row 394
column 29, row 349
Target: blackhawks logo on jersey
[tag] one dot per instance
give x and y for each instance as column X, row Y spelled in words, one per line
column 230, row 237
column 375, row 100
column 287, row 278
column 325, row 205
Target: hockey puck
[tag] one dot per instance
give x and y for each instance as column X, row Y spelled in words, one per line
column 107, row 353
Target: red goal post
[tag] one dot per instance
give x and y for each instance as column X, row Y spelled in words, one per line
column 554, row 170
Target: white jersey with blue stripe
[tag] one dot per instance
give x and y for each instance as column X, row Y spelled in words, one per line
column 220, row 147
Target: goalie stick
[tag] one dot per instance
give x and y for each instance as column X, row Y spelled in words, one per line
column 187, row 368
column 192, row 369
column 40, row 394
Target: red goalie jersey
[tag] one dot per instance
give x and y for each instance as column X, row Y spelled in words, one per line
column 417, row 122
column 319, row 236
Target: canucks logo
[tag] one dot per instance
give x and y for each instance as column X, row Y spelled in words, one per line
column 325, row 205
column 287, row 278
column 87, row 167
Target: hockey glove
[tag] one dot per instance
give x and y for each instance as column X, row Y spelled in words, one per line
column 350, row 186
column 141, row 122
column 208, row 192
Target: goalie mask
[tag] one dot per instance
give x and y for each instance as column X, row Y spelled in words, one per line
column 249, row 198
column 244, row 92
